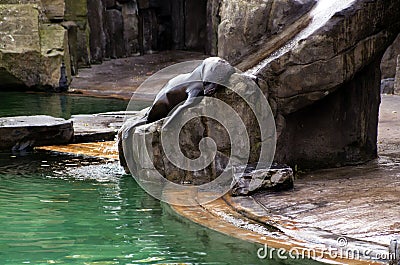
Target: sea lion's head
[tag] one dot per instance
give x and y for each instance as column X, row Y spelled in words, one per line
column 216, row 70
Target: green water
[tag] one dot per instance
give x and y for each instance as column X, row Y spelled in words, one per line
column 62, row 210
column 58, row 105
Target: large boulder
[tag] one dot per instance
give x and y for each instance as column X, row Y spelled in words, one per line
column 31, row 52
column 324, row 85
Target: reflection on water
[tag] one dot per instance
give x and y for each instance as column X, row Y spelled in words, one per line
column 52, row 212
column 58, row 105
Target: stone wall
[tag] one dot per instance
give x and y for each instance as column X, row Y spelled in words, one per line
column 114, row 29
column 32, row 48
column 37, row 36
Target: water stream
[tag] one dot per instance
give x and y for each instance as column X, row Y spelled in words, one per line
column 320, row 15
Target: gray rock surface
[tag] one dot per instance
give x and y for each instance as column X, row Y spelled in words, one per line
column 389, row 60
column 25, row 132
column 397, row 79
column 31, row 51
column 115, row 46
column 274, row 179
column 325, row 88
column 245, row 24
column 97, row 35
column 54, row 9
column 387, row 86
column 131, row 30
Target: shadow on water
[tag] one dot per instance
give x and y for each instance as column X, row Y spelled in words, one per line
column 58, row 105
column 66, row 210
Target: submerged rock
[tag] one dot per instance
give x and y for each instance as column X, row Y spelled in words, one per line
column 25, row 132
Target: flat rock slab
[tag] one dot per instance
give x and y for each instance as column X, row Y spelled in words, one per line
column 24, row 132
column 98, row 127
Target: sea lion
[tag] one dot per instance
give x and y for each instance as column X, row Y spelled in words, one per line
column 205, row 80
column 189, row 88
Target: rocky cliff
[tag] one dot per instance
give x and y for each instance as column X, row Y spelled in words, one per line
column 321, row 75
column 325, row 89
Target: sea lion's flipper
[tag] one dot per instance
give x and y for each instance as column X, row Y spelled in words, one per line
column 132, row 126
column 195, row 94
column 158, row 111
